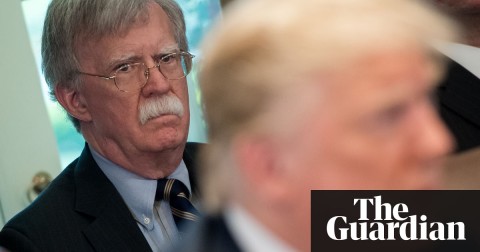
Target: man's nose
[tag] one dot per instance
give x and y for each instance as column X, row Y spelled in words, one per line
column 156, row 82
column 432, row 139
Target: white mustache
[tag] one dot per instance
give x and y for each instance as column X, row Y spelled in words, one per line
column 160, row 105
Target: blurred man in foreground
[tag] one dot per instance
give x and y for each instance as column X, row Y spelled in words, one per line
column 309, row 94
column 118, row 67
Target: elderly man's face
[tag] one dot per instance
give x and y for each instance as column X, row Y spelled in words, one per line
column 115, row 122
column 372, row 127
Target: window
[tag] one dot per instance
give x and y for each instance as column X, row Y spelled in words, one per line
column 199, row 15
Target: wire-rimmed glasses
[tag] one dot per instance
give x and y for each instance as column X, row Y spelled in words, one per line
column 134, row 76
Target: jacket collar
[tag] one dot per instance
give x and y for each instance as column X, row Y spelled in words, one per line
column 113, row 227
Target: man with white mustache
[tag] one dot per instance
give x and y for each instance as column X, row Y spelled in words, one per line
column 158, row 106
column 118, row 68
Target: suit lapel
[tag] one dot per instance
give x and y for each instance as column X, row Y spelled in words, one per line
column 114, row 231
column 113, row 227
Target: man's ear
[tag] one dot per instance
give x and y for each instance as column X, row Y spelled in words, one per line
column 260, row 165
column 73, row 102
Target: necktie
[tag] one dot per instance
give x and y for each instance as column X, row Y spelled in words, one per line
column 177, row 194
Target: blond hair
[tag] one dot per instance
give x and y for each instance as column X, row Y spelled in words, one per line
column 263, row 46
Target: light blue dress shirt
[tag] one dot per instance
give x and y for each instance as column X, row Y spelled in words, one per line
column 154, row 219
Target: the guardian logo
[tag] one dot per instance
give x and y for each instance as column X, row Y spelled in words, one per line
column 391, row 223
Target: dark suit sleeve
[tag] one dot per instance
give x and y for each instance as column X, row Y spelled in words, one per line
column 14, row 241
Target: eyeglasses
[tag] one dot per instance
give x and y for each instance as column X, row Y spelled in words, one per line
column 134, row 76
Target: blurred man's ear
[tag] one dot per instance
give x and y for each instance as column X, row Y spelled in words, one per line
column 260, row 166
column 73, row 102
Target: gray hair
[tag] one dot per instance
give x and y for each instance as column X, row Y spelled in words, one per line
column 69, row 22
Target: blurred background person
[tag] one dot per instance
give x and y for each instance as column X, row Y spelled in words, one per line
column 309, row 94
column 459, row 102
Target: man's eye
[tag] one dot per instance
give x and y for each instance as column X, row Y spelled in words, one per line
column 167, row 59
column 125, row 68
column 390, row 116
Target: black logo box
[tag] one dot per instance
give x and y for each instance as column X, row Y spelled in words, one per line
column 437, row 205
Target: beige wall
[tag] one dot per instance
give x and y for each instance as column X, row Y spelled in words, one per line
column 27, row 143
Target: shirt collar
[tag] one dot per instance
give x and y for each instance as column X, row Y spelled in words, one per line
column 465, row 55
column 137, row 192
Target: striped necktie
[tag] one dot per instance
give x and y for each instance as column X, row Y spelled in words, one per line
column 177, row 194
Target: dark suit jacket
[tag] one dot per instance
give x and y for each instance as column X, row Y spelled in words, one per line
column 210, row 235
column 459, row 105
column 80, row 211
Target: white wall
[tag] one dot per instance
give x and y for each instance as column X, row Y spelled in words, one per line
column 27, row 143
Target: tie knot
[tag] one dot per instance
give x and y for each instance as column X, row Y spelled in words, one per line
column 177, row 194
column 168, row 189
